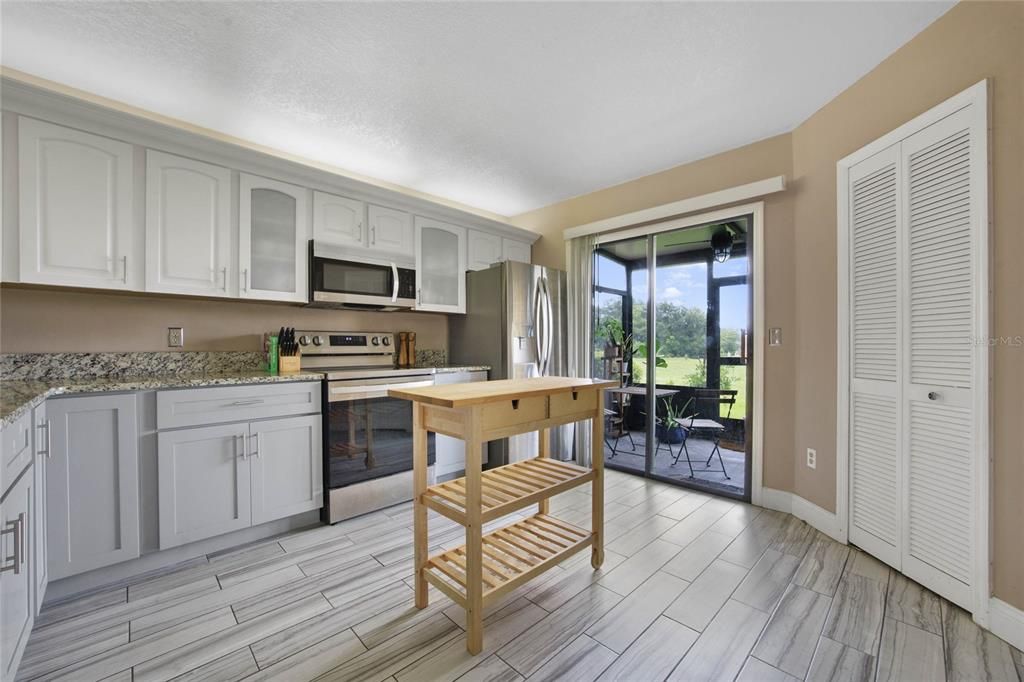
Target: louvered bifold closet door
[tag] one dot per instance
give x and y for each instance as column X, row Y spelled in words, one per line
column 941, row 171
column 875, row 359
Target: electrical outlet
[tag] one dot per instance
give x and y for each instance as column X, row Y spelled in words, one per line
column 175, row 337
column 812, row 458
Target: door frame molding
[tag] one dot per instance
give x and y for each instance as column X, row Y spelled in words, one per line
column 756, row 211
column 976, row 97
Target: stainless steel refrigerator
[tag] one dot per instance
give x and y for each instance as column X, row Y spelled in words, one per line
column 515, row 322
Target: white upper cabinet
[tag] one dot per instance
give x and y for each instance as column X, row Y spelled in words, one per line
column 75, row 196
column 440, row 267
column 188, row 226
column 484, row 250
column 513, row 250
column 390, row 231
column 273, row 230
column 339, row 221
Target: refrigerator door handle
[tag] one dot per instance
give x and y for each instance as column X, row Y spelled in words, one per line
column 548, row 327
column 537, row 345
column 544, row 332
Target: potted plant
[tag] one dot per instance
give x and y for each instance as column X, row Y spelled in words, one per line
column 615, row 337
column 668, row 429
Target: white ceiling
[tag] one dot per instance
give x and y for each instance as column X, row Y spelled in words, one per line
column 502, row 106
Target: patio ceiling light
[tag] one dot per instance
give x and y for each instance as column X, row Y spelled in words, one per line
column 721, row 244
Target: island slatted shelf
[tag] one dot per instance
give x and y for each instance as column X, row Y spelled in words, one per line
column 490, row 565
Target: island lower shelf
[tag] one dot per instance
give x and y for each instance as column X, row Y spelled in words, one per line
column 507, row 488
column 512, row 555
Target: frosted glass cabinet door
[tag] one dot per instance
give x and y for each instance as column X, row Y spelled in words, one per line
column 273, row 229
column 440, row 267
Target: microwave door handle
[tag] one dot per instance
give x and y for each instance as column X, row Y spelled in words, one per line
column 394, row 283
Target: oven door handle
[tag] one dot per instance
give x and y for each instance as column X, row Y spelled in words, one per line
column 343, row 393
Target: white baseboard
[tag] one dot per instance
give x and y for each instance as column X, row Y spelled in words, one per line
column 1006, row 621
column 822, row 519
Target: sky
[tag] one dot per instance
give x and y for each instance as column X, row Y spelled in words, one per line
column 687, row 285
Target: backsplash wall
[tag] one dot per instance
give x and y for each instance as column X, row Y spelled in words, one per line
column 49, row 321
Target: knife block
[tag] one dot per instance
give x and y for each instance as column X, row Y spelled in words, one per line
column 288, row 364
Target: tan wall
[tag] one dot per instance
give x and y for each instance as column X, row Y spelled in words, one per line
column 974, row 40
column 37, row 320
column 757, row 161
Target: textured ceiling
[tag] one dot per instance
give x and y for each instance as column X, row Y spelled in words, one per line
column 502, row 106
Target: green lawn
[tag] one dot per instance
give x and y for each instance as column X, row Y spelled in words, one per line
column 679, row 369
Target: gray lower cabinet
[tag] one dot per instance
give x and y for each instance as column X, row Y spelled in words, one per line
column 18, row 611
column 204, row 488
column 92, row 483
column 286, row 467
column 41, row 428
column 218, row 479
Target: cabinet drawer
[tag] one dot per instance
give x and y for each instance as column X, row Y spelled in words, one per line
column 16, row 450
column 220, row 404
column 564, row 404
column 514, row 412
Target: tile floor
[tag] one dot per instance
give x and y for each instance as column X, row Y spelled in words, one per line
column 693, row 587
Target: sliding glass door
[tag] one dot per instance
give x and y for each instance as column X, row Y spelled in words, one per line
column 677, row 337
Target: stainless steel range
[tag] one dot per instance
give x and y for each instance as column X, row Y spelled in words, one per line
column 367, row 435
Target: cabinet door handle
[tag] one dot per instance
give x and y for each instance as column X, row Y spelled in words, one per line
column 256, row 451
column 359, row 231
column 15, row 528
column 225, row 271
column 124, row 270
column 373, row 234
column 45, row 424
column 242, row 453
column 245, row 279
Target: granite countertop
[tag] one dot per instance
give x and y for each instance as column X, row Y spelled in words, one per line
column 454, row 368
column 19, row 396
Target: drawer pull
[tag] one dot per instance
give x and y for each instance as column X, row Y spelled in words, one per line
column 17, row 528
column 254, row 401
column 515, row 404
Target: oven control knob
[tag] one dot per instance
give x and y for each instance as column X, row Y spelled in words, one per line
column 318, row 340
column 375, row 341
column 303, row 340
column 386, row 340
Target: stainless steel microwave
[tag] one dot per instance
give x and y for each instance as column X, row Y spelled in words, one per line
column 335, row 283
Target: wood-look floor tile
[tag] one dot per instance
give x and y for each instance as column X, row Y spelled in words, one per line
column 628, row 575
column 835, row 662
column 759, row 671
column 155, row 619
column 736, row 520
column 909, row 653
column 225, row 641
column 749, row 545
column 682, row 508
column 53, row 612
column 767, row 580
column 856, row 615
column 123, row 676
column 822, row 566
column 641, row 535
column 183, row 579
column 582, row 660
column 909, row 602
column 973, row 653
column 133, row 653
column 451, row 660
column 46, row 655
column 654, row 653
column 232, row 666
column 288, row 641
column 691, row 527
column 619, row 627
column 387, row 623
column 789, row 641
column 243, row 556
column 493, row 669
column 315, row 660
column 530, row 650
column 270, row 564
column 397, row 653
column 722, row 649
column 863, row 564
column 552, row 595
column 698, row 604
column 697, row 555
column 795, row 538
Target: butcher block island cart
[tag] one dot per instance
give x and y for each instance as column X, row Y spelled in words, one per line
column 489, row 566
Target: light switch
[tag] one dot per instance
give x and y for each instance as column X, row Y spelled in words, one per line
column 775, row 336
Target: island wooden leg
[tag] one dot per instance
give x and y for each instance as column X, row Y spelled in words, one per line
column 474, row 532
column 419, row 510
column 544, row 450
column 597, row 496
